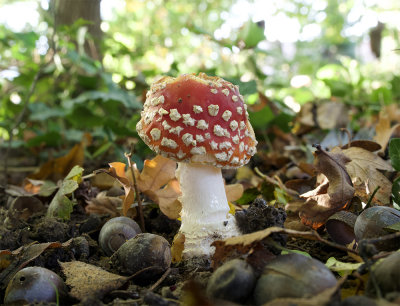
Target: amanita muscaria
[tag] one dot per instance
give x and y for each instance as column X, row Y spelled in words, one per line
column 202, row 123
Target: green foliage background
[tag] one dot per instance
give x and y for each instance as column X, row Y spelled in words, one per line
column 64, row 93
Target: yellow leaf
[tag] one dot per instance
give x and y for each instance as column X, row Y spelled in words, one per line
column 156, row 173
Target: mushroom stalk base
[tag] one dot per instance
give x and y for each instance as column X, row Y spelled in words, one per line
column 205, row 210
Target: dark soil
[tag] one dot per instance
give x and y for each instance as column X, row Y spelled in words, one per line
column 185, row 281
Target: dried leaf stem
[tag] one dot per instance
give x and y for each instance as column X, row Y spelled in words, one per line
column 161, row 279
column 276, row 182
column 137, row 192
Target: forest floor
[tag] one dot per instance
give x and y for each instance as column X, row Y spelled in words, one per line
column 320, row 226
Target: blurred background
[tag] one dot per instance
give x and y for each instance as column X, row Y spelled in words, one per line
column 79, row 69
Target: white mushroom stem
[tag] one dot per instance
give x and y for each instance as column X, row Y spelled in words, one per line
column 205, row 211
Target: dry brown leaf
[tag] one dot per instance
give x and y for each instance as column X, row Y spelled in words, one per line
column 234, row 192
column 117, row 171
column 331, row 115
column 104, row 205
column 368, row 145
column 103, row 181
column 363, row 170
column 384, row 130
column 333, row 194
column 22, row 257
column 246, row 244
column 58, row 168
column 156, row 173
column 88, row 281
column 167, row 199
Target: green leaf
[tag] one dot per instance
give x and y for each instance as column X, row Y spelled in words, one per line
column 261, row 119
column 245, row 88
column 42, row 112
column 51, row 139
column 396, row 192
column 251, row 34
column 394, row 153
column 342, row 268
column 61, row 206
column 249, row 195
column 287, row 251
column 47, row 188
column 103, row 148
column 75, row 174
column 121, row 96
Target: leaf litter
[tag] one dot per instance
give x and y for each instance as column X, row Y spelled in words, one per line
column 310, row 187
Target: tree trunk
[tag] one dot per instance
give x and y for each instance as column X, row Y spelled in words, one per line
column 66, row 12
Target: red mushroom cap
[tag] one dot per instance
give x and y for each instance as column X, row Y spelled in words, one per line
column 197, row 118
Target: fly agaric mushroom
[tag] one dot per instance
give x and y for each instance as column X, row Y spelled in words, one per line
column 202, row 123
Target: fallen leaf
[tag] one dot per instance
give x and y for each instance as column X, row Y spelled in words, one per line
column 384, row 130
column 363, row 170
column 58, row 168
column 117, row 171
column 178, row 245
column 86, row 280
column 248, row 243
column 331, row 115
column 104, row 205
column 341, row 267
column 167, row 199
column 333, row 194
column 234, row 192
column 368, row 145
column 156, row 173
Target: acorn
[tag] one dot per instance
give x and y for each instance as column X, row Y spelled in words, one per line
column 143, row 251
column 233, row 281
column 116, row 232
column 34, row 284
column 371, row 223
column 292, row 275
column 340, row 227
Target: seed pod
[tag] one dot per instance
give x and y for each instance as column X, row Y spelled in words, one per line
column 116, row 232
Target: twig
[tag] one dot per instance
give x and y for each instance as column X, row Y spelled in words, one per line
column 155, row 285
column 371, row 197
column 143, row 270
column 135, row 186
column 276, row 182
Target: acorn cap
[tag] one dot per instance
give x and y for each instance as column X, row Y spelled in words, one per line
column 197, row 118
